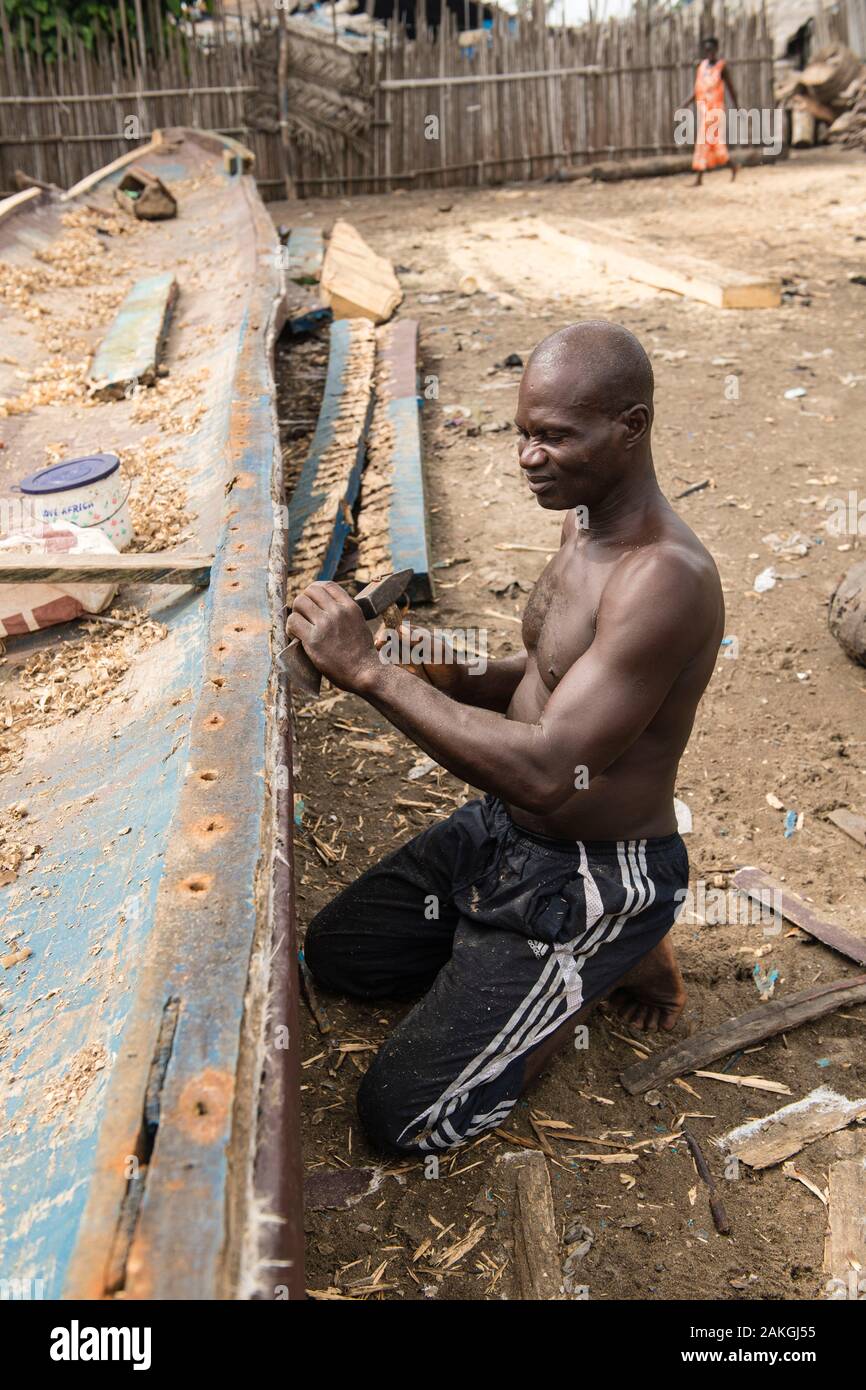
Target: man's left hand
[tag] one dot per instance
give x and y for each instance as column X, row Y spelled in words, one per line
column 334, row 634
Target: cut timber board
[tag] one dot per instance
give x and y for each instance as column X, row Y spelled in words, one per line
column 666, row 269
column 537, row 1265
column 355, row 281
column 763, row 1022
column 392, row 524
column 305, row 250
column 131, row 349
column 766, row 889
column 153, row 568
column 320, row 516
column 845, row 1249
column 761, row 1143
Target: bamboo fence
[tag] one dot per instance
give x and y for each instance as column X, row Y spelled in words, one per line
column 522, row 101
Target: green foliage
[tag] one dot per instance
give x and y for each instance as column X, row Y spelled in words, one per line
column 86, row 18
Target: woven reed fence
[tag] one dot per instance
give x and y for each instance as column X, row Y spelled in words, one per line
column 520, row 102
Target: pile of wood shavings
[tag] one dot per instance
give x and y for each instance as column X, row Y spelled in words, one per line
column 16, row 846
column 377, row 485
column 80, row 674
column 76, row 258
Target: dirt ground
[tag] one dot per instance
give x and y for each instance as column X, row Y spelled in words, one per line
column 784, row 716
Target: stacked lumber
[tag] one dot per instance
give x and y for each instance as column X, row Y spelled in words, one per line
column 830, row 92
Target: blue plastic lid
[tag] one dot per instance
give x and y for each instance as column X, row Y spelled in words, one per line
column 71, row 474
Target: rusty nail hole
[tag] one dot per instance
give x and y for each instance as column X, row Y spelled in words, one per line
column 196, row 884
column 230, row 569
column 240, row 545
column 235, row 584
column 218, row 681
column 234, row 528
column 200, row 1107
column 240, row 628
column 208, row 775
column 222, row 647
column 214, row 721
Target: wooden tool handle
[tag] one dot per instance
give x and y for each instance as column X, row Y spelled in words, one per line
column 300, row 670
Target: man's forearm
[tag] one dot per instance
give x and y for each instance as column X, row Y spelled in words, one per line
column 462, row 738
column 490, row 688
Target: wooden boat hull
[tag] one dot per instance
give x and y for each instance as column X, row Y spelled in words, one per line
column 149, row 1037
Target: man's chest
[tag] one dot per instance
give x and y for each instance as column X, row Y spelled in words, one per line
column 560, row 618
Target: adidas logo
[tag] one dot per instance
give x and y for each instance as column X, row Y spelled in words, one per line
column 539, row 948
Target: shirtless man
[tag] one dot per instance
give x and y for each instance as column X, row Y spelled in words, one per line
column 524, row 907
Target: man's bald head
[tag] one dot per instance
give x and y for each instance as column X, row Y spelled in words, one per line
column 597, row 364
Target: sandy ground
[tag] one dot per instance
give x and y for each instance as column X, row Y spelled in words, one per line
column 784, row 715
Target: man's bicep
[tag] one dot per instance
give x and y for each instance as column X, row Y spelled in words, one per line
column 608, row 697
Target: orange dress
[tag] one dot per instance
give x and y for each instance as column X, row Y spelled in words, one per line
column 711, row 150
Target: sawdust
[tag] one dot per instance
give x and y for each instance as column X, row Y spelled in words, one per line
column 83, row 673
column 64, row 1094
column 16, row 845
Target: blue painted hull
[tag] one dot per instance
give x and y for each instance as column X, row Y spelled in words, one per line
column 134, row 1037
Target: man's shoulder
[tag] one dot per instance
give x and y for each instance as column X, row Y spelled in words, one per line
column 673, row 578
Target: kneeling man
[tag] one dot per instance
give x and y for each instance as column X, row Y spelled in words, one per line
column 559, row 886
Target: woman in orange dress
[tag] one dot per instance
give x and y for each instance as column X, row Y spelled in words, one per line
column 711, row 147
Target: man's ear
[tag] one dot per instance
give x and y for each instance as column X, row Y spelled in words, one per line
column 637, row 423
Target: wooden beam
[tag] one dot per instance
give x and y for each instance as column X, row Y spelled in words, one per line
column 161, row 567
column 766, row 889
column 763, row 1022
column 355, row 281
column 778, row 1136
column 537, row 1261
column 305, row 252
column 666, row 269
column 131, row 349
column 845, row 1249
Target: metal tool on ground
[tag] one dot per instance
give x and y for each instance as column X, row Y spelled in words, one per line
column 374, row 600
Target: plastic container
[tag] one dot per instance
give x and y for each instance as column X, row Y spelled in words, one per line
column 87, row 491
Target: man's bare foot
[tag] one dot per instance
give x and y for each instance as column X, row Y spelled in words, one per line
column 652, row 995
column 698, row 181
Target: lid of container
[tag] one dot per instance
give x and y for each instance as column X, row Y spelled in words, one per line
column 71, row 474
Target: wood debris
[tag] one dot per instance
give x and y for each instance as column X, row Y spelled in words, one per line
column 763, row 1142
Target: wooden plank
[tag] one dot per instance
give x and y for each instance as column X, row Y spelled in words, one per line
column 610, row 250
column 84, row 185
column 17, row 200
column 845, row 1249
column 320, row 509
column 131, row 349
column 392, row 523
column 305, row 251
column 778, row 1136
column 537, row 1263
column 762, row 886
column 852, row 824
column 355, row 281
column 160, row 567
column 766, row 1021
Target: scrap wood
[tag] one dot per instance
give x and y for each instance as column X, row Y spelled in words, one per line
column 765, row 1021
column 845, row 1247
column 355, row 281
column 131, row 350
column 852, row 824
column 156, row 567
column 717, row 1206
column 314, row 1004
column 791, row 1171
column 785, row 1132
column 760, row 885
column 754, row 1083
column 538, row 1272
